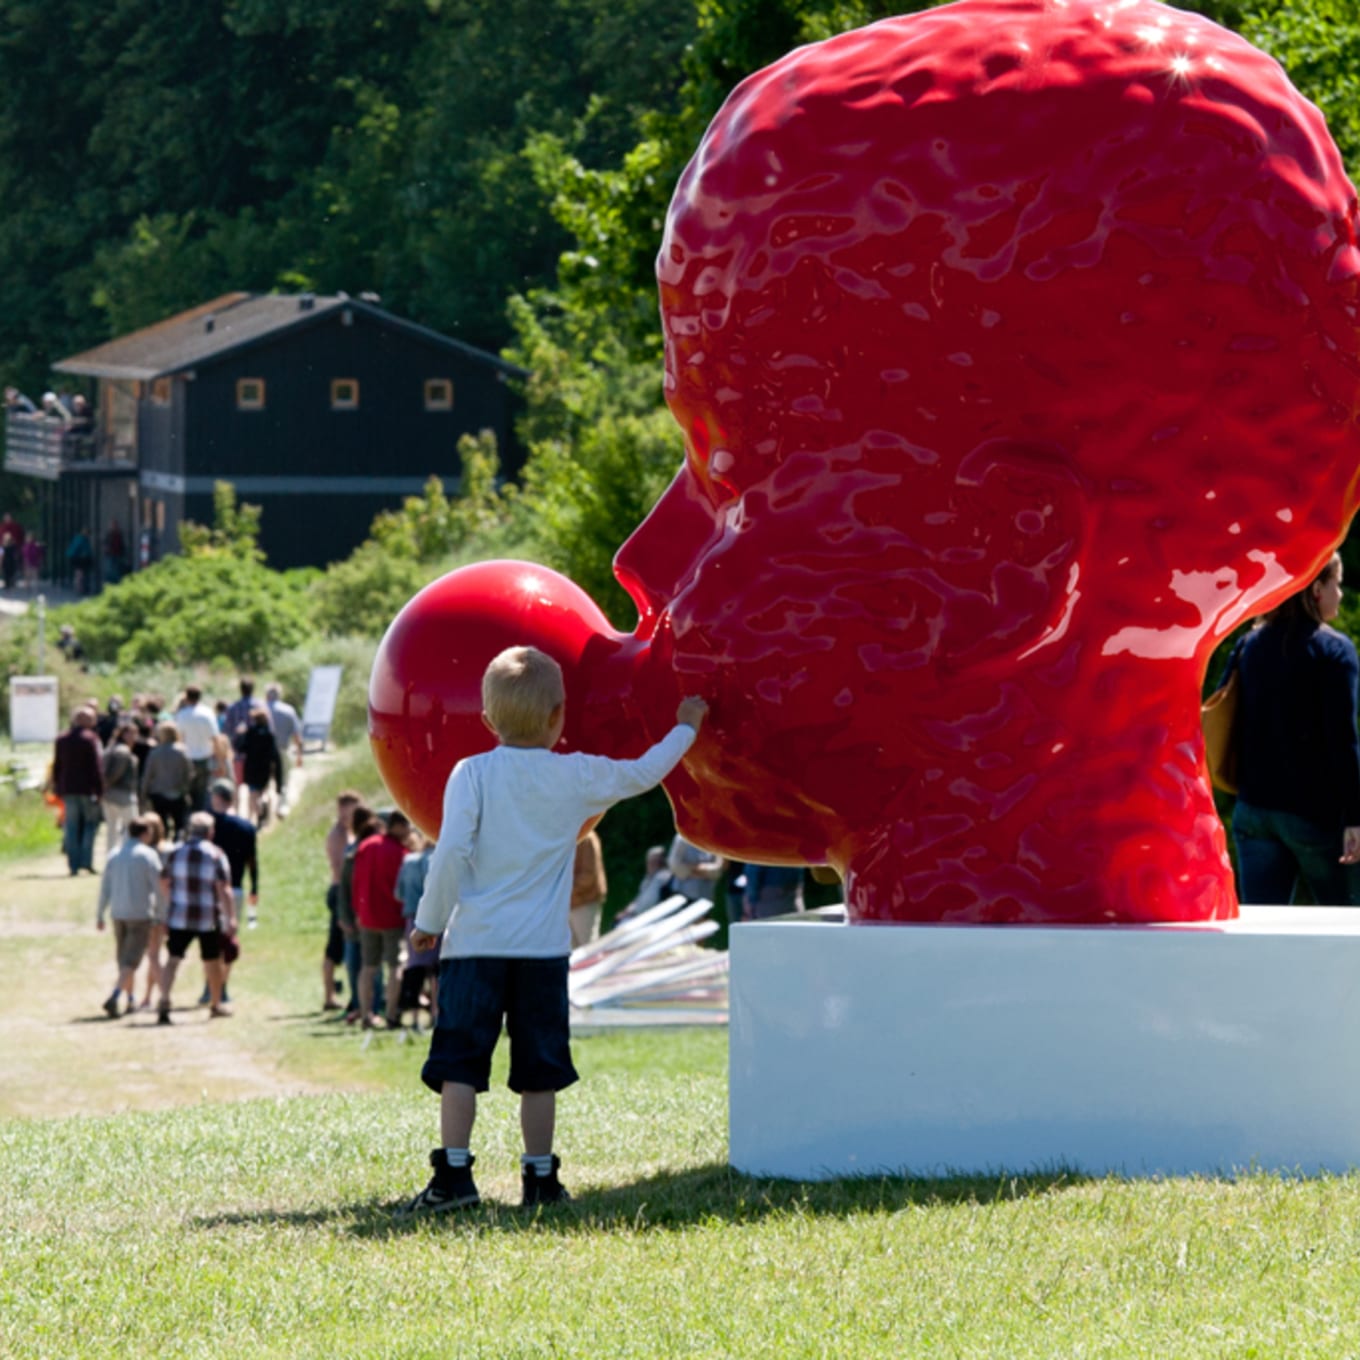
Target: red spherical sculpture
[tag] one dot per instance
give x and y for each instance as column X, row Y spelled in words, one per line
column 1015, row 349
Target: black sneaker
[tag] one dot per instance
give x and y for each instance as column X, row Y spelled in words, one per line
column 163, row 1015
column 451, row 1187
column 543, row 1189
column 111, row 1007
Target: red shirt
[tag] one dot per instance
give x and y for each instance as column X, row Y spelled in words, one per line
column 377, row 862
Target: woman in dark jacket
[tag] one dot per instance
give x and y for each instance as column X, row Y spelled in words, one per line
column 1298, row 754
column 260, row 759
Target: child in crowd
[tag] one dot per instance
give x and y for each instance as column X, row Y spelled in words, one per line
column 421, row 967
column 500, row 881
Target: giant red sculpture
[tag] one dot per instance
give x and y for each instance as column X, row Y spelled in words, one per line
column 1015, row 349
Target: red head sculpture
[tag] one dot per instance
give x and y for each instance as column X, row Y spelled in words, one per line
column 1015, row 349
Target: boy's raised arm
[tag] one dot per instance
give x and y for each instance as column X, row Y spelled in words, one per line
column 612, row 780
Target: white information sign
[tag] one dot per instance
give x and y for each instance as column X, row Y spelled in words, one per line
column 323, row 688
column 32, row 708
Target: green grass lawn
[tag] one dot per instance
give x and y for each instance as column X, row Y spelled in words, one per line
column 265, row 1228
column 28, row 826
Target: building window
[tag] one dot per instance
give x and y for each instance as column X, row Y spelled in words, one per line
column 344, row 394
column 439, row 394
column 160, row 392
column 250, row 394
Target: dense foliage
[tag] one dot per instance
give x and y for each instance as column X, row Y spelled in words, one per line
column 500, row 172
column 215, row 603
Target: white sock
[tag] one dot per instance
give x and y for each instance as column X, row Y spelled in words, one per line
column 457, row 1157
column 542, row 1166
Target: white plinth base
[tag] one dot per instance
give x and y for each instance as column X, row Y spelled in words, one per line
column 934, row 1049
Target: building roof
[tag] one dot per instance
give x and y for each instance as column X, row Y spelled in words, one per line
column 235, row 321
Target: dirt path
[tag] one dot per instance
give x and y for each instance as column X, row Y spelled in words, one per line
column 60, row 1054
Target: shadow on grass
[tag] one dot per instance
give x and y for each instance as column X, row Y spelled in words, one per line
column 674, row 1200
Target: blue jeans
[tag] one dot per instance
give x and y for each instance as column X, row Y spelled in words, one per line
column 1277, row 849
column 81, row 824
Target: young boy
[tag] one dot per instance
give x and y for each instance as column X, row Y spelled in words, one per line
column 500, row 881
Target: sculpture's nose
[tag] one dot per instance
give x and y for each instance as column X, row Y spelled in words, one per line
column 662, row 553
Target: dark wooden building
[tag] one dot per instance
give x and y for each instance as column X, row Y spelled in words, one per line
column 321, row 410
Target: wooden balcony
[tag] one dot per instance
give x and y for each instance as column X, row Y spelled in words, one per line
column 39, row 446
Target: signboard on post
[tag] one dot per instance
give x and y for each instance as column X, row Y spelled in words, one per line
column 32, row 708
column 323, row 688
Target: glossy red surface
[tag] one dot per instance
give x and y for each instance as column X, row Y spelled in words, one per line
column 1015, row 349
column 425, row 691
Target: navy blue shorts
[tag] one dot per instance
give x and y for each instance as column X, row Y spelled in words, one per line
column 529, row 996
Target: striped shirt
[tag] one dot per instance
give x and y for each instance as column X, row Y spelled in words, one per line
column 194, row 870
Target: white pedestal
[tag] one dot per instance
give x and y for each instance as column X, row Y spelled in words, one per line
column 1138, row 1049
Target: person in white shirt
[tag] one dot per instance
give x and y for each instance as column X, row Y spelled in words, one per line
column 499, row 889
column 197, row 725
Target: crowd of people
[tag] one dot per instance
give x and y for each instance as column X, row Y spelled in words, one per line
column 378, row 862
column 181, row 790
column 183, row 794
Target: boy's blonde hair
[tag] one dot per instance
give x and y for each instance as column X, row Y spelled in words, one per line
column 520, row 689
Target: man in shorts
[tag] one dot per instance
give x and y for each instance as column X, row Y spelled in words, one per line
column 128, row 893
column 197, row 884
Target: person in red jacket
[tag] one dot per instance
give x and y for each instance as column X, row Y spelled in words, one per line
column 377, row 909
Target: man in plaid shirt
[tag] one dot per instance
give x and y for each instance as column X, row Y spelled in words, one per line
column 197, row 883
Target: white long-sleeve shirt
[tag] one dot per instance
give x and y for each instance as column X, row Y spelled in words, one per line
column 500, row 875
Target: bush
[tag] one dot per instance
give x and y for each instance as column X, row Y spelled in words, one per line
column 361, row 595
column 185, row 611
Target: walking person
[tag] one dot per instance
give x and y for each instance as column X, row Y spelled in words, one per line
column 156, row 840
column 236, row 839
column 78, row 780
column 129, row 893
column 119, row 803
column 260, row 762
column 80, row 558
column 167, row 777
column 197, row 724
column 197, row 884
column 283, row 718
column 235, row 721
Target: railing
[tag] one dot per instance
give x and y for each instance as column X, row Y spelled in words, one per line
column 42, row 447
